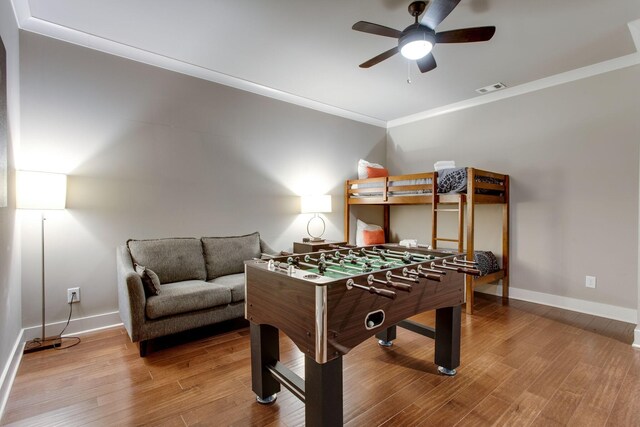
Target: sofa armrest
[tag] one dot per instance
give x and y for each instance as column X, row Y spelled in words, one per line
column 266, row 249
column 131, row 296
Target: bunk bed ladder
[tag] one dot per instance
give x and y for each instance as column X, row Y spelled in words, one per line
column 434, row 217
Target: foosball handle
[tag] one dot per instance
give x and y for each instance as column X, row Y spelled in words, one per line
column 400, row 286
column 434, row 277
column 469, row 271
column 382, row 292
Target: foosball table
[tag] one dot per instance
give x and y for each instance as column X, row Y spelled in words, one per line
column 329, row 302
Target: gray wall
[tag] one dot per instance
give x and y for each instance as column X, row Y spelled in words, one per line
column 572, row 154
column 151, row 153
column 10, row 305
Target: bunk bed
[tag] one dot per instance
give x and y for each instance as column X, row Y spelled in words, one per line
column 482, row 187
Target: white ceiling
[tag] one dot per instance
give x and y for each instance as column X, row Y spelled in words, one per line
column 307, row 48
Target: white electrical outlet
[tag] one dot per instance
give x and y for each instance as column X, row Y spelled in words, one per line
column 76, row 297
column 590, row 282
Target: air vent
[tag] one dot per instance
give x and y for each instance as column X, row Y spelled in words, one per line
column 491, row 88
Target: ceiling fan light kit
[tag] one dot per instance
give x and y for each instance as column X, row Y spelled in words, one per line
column 417, row 40
column 416, row 44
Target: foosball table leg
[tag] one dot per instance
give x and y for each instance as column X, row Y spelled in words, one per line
column 323, row 392
column 447, row 346
column 265, row 351
column 386, row 337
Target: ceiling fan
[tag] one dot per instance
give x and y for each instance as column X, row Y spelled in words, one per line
column 417, row 40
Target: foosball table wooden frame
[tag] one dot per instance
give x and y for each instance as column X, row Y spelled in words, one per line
column 327, row 303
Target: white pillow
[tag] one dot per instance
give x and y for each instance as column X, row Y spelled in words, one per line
column 360, row 227
column 362, row 168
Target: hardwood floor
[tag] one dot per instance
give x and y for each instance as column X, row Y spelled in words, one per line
column 522, row 364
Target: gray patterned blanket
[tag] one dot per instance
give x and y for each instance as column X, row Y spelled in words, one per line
column 452, row 180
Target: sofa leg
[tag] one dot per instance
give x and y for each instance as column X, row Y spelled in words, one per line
column 143, row 348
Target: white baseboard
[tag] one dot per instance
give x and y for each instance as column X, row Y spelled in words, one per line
column 76, row 326
column 636, row 337
column 9, row 372
column 614, row 312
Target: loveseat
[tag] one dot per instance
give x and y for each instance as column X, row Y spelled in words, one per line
column 171, row 285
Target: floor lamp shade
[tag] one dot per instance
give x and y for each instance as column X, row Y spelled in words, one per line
column 40, row 190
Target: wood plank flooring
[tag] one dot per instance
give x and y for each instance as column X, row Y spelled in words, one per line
column 522, row 364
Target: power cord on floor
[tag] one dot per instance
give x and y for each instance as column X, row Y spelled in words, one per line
column 76, row 340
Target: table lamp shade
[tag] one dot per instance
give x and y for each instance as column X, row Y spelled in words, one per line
column 315, row 204
column 40, row 190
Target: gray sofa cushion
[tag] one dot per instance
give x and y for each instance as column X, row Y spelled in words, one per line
column 226, row 255
column 173, row 260
column 187, row 296
column 235, row 282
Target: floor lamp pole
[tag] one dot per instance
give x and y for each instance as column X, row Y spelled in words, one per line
column 43, row 342
column 42, row 218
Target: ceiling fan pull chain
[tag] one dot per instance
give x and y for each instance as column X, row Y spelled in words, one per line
column 408, row 72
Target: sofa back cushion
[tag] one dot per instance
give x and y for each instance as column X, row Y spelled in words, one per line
column 226, row 255
column 173, row 260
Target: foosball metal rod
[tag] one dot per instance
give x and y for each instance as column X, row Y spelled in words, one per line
column 458, row 269
column 469, row 270
column 308, row 258
column 365, row 256
column 293, row 261
column 410, row 254
column 372, row 290
column 389, row 275
column 365, row 252
column 354, row 263
column 380, row 252
column 456, row 259
column 428, row 276
column 432, row 270
column 382, row 256
column 390, row 284
column 325, row 268
column 360, row 268
column 287, row 268
column 341, row 264
column 455, row 264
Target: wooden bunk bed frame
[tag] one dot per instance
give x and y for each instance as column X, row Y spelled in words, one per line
column 483, row 187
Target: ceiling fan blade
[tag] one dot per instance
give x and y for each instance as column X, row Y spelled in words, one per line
column 466, row 35
column 380, row 58
column 437, row 11
column 427, row 63
column 380, row 30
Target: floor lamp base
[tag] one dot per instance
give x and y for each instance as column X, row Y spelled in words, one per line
column 38, row 344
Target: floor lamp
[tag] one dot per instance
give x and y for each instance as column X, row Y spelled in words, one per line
column 41, row 191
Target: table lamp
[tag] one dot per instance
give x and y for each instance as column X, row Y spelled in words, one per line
column 41, row 191
column 315, row 204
